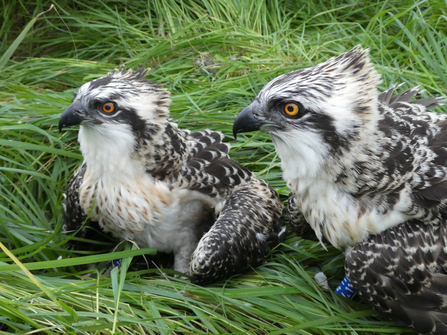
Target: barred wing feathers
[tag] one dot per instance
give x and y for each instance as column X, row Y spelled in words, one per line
column 74, row 216
column 402, row 273
column 249, row 224
column 248, row 227
column 297, row 222
column 209, row 169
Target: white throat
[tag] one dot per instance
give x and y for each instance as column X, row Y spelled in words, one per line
column 107, row 150
column 301, row 154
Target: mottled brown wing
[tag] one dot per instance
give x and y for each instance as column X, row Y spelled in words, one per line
column 404, row 97
column 297, row 222
column 209, row 168
column 402, row 273
column 248, row 227
column 428, row 166
column 74, row 216
column 250, row 222
column 431, row 192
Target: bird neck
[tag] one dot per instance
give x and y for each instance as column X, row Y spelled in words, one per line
column 107, row 149
column 332, row 189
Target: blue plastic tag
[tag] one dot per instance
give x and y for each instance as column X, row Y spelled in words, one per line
column 345, row 289
column 116, row 263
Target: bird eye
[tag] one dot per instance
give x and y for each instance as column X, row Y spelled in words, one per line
column 108, row 107
column 291, row 109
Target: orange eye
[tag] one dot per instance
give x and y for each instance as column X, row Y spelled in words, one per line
column 108, row 107
column 291, row 109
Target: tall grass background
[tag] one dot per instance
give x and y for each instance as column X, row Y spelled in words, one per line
column 214, row 56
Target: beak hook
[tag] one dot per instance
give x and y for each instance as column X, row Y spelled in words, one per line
column 245, row 122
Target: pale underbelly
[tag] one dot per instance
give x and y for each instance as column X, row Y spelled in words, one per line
column 152, row 216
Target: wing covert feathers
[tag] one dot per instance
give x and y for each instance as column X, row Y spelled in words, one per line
column 209, row 169
column 402, row 273
column 297, row 222
column 74, row 216
column 394, row 101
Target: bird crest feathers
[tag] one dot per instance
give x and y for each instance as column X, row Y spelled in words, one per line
column 139, row 74
column 354, row 79
column 353, row 62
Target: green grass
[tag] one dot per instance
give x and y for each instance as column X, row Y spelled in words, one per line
column 214, row 56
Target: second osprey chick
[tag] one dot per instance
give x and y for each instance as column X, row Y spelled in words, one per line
column 368, row 171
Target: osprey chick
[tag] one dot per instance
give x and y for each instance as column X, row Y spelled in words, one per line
column 368, row 172
column 146, row 180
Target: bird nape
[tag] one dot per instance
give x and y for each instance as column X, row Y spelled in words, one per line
column 368, row 172
column 144, row 179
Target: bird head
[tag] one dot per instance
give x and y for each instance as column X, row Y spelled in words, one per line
column 315, row 112
column 124, row 99
column 117, row 113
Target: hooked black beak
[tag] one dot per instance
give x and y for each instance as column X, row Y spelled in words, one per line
column 72, row 116
column 246, row 122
